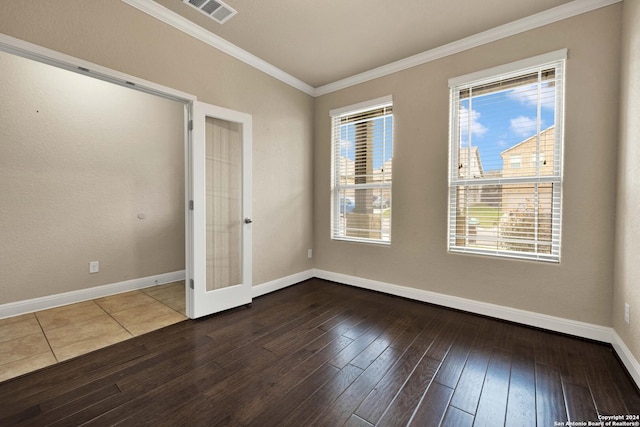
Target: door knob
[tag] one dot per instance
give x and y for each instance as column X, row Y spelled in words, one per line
column 248, row 220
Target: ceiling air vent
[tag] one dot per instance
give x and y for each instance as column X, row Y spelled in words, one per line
column 213, row 8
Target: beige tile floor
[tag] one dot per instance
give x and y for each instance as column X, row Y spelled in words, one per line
column 35, row 340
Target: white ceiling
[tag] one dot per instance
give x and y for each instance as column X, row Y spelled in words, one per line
column 323, row 41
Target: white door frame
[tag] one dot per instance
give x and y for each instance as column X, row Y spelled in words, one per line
column 201, row 302
column 51, row 57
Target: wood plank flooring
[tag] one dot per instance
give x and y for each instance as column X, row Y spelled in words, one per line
column 324, row 354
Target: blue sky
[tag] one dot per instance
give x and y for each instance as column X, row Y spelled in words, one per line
column 500, row 120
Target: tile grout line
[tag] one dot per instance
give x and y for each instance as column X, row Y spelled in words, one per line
column 111, row 316
column 182, row 314
column 45, row 337
column 142, row 292
column 104, row 310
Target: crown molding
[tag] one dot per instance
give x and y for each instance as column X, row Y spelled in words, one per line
column 559, row 13
column 180, row 23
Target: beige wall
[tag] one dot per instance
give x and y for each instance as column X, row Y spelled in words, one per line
column 580, row 287
column 115, row 35
column 112, row 34
column 80, row 159
column 627, row 268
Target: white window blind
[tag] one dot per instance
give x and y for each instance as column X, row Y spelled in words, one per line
column 505, row 149
column 362, row 147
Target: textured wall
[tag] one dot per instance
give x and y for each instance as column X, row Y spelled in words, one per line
column 628, row 208
column 113, row 34
column 580, row 287
column 80, row 159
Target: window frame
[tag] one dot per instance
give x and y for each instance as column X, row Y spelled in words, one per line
column 557, row 60
column 515, row 161
column 337, row 186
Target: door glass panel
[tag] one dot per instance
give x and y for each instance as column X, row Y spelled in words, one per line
column 223, row 154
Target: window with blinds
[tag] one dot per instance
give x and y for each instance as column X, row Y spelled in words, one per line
column 505, row 160
column 362, row 147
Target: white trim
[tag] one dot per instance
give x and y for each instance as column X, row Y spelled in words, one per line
column 626, row 357
column 565, row 11
column 512, row 67
column 558, row 324
column 51, row 301
column 47, row 56
column 554, row 60
column 283, row 282
column 362, row 106
column 41, row 54
column 171, row 18
column 552, row 323
column 201, row 301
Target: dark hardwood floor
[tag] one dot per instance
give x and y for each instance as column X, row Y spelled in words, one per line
column 324, row 354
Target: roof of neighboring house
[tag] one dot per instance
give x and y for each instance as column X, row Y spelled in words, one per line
column 463, row 157
column 542, row 133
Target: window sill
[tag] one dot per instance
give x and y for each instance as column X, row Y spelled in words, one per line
column 501, row 254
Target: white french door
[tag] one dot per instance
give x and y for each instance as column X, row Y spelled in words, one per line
column 219, row 225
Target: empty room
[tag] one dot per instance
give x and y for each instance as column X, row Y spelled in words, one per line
column 320, row 213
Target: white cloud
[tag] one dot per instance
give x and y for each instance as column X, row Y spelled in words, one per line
column 477, row 128
column 524, row 126
column 528, row 95
column 346, row 145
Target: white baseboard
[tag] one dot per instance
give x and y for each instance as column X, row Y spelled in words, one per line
column 627, row 358
column 529, row 318
column 275, row 285
column 43, row 303
column 558, row 324
column 51, row 301
column 552, row 323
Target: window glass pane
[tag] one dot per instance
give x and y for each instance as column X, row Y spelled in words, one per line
column 366, row 151
column 515, row 217
column 525, row 224
column 362, row 166
column 500, row 127
column 364, row 214
column 515, row 162
column 505, row 183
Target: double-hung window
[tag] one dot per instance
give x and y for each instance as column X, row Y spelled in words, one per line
column 362, row 147
column 505, row 159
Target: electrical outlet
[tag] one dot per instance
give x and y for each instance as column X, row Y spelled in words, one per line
column 309, row 253
column 94, row 267
column 626, row 312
